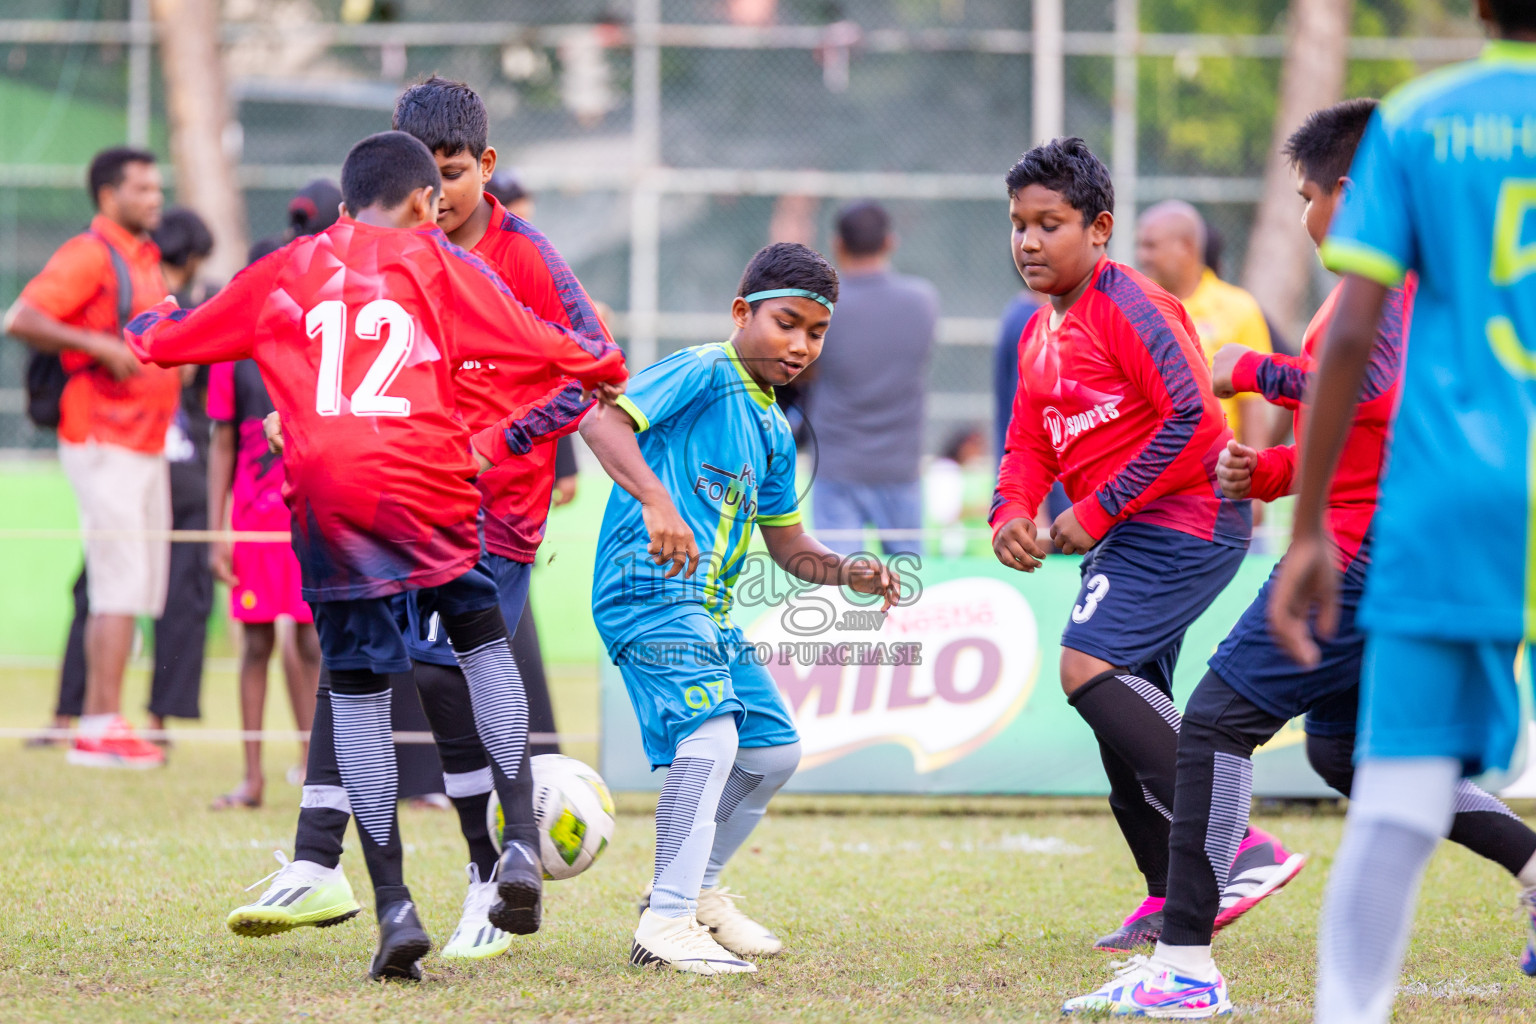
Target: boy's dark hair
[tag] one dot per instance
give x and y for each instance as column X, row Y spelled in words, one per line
column 446, row 115
column 182, row 237
column 1324, row 146
column 385, row 168
column 1514, row 15
column 1067, row 166
column 788, row 265
column 108, row 167
column 863, row 227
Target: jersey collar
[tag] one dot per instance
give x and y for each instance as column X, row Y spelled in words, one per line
column 1509, row 51
column 761, row 397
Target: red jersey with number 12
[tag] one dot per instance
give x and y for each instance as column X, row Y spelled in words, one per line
column 357, row 331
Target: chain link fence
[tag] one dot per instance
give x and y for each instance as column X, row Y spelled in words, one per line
column 666, row 140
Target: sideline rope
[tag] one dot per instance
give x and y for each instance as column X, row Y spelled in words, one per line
column 267, row 735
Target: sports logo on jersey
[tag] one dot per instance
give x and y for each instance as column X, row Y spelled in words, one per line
column 728, row 490
column 1063, row 428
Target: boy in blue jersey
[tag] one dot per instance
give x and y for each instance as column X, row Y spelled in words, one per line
column 1445, row 185
column 723, row 454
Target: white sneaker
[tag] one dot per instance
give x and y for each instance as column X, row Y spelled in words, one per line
column 731, row 928
column 302, row 894
column 682, row 944
column 476, row 938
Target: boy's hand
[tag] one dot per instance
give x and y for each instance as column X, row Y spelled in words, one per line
column 872, row 576
column 115, row 358
column 272, row 427
column 1308, row 581
column 564, row 492
column 671, row 539
column 1069, row 536
column 221, row 562
column 1014, row 545
column 1234, row 469
column 1222, row 366
column 603, row 394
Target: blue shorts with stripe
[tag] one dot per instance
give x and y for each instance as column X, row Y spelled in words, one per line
column 686, row 670
column 1142, row 586
column 365, row 634
column 425, row 638
column 1252, row 663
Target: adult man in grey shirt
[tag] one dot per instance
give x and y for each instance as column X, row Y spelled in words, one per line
column 867, row 403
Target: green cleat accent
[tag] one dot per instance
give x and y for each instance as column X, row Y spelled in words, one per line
column 302, row 894
column 476, row 938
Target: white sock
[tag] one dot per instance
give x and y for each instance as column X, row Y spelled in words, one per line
column 96, row 725
column 1527, row 875
column 685, row 815
column 1188, row 961
column 1398, row 812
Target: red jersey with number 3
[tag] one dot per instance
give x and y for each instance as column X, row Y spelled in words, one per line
column 1116, row 402
column 358, row 331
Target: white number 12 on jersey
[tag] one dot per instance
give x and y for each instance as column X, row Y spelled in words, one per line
column 329, row 320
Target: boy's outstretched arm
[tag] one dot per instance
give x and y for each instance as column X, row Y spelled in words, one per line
column 806, row 558
column 1308, row 577
column 222, row 328
column 610, row 433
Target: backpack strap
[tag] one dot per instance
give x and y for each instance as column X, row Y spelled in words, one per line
column 124, row 282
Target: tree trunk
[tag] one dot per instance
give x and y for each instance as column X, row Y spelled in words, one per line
column 197, row 101
column 1279, row 252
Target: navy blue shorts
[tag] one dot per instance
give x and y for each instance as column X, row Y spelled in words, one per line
column 425, row 638
column 365, row 635
column 1142, row 586
column 1252, row 663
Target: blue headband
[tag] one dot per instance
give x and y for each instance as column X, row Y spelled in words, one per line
column 774, row 293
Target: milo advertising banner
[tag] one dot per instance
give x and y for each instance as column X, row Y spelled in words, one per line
column 956, row 692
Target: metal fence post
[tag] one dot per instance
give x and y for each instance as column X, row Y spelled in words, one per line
column 1049, row 72
column 1123, row 128
column 645, row 199
column 138, row 74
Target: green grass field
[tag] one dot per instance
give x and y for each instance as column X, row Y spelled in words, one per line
column 116, row 885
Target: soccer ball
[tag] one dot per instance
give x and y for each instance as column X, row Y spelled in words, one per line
column 574, row 811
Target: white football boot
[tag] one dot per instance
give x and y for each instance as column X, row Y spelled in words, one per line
column 731, row 928
column 682, row 944
column 476, row 938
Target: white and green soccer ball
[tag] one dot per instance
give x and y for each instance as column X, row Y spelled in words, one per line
column 574, row 811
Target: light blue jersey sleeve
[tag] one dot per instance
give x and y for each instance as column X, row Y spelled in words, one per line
column 778, row 504
column 1372, row 233
column 665, row 389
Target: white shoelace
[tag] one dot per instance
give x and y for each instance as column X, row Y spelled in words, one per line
column 284, row 867
column 478, row 901
column 728, row 907
column 696, row 939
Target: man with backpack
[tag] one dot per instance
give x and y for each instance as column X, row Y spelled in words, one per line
column 112, row 414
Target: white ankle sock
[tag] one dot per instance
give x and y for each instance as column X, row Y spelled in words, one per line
column 96, row 725
column 1188, row 961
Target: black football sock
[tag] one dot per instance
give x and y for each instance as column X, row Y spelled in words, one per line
column 466, row 771
column 1482, row 822
column 324, row 809
column 365, row 753
column 1221, row 729
column 1138, row 731
column 501, row 714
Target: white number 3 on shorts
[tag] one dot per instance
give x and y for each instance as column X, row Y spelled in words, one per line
column 1098, row 586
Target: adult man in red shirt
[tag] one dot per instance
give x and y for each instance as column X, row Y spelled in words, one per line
column 113, row 420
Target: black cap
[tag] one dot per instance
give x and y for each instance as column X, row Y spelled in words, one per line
column 315, row 208
column 506, row 187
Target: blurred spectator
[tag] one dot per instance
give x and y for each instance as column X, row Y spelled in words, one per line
column 957, row 494
column 1215, row 245
column 1171, row 249
column 113, row 417
column 508, row 189
column 867, row 401
column 245, row 492
column 315, row 208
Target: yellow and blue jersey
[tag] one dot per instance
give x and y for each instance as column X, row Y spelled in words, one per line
column 726, row 455
column 1444, row 184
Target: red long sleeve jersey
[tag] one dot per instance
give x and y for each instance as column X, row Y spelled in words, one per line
column 357, row 331
column 1283, row 381
column 517, row 492
column 1116, row 402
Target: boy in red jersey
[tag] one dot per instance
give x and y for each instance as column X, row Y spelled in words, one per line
column 1253, row 687
column 358, row 330
column 1115, row 401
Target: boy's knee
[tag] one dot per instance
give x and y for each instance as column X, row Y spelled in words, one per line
column 469, row 631
column 774, row 764
column 259, row 641
column 1333, row 758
